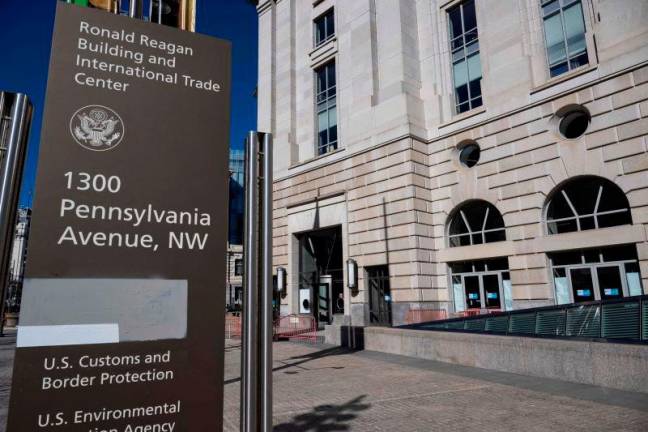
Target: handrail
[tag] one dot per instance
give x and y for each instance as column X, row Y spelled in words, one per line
column 623, row 320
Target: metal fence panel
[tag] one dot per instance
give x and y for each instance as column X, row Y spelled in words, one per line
column 475, row 324
column 621, row 321
column 455, row 325
column 523, row 323
column 644, row 319
column 584, row 321
column 497, row 324
column 550, row 323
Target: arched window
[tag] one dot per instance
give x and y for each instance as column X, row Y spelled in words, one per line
column 476, row 222
column 587, row 203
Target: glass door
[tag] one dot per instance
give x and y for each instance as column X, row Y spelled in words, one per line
column 324, row 300
column 473, row 293
column 609, row 281
column 582, row 284
column 492, row 298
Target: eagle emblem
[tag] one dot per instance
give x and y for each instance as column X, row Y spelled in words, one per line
column 97, row 128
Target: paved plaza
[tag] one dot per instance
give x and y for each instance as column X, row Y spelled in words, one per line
column 325, row 389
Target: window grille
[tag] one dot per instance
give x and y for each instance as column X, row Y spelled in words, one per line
column 476, row 222
column 587, row 203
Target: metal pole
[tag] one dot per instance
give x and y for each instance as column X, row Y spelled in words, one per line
column 10, row 177
column 249, row 352
column 265, row 358
column 135, row 9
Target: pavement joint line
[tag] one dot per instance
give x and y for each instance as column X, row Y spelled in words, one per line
column 584, row 392
column 423, row 395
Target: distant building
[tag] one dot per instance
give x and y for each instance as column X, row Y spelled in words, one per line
column 236, row 196
column 469, row 156
column 17, row 262
column 234, row 283
column 174, row 13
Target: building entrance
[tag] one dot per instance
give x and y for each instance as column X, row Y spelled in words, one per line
column 321, row 277
column 596, row 274
column 481, row 285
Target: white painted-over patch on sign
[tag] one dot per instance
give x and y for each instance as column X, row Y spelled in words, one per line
column 57, row 335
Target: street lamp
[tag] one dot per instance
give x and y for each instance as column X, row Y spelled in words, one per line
column 281, row 279
column 352, row 274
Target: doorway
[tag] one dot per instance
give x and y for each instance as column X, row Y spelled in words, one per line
column 321, row 273
column 595, row 274
column 483, row 285
column 379, row 295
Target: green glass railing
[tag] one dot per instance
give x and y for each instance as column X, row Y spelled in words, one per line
column 615, row 320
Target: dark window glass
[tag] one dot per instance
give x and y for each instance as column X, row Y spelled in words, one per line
column 591, row 255
column 495, row 236
column 587, row 223
column 497, row 264
column 466, row 63
column 238, row 267
column 566, row 258
column 611, row 199
column 564, row 29
column 614, row 219
column 469, row 155
column 326, row 109
column 559, row 207
column 574, row 124
column 484, row 224
column 475, row 89
column 598, row 203
column 461, row 267
column 491, row 291
column 619, row 253
column 454, row 17
column 609, row 279
column 582, row 198
column 582, row 285
column 471, row 287
column 324, row 27
column 469, row 17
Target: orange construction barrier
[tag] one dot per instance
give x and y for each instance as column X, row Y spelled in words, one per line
column 296, row 327
column 415, row 316
column 232, row 327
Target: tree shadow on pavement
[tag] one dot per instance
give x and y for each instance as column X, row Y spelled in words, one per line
column 325, row 418
column 301, row 360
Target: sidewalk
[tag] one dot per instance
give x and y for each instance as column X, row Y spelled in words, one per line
column 328, row 389
column 321, row 389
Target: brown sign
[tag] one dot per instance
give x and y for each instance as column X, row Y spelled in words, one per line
column 122, row 313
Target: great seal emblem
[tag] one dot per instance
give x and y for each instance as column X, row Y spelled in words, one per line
column 97, row 128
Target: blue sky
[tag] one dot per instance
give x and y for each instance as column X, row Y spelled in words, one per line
column 26, row 32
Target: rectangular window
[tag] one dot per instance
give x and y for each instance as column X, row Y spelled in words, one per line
column 238, row 267
column 326, row 109
column 564, row 28
column 466, row 65
column 324, row 27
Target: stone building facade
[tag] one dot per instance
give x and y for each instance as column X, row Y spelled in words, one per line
column 466, row 155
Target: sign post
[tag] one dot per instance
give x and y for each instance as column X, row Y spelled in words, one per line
column 122, row 321
column 256, row 344
column 19, row 111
